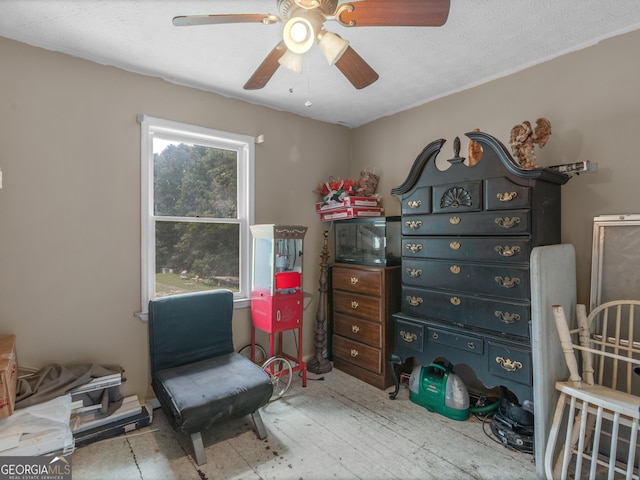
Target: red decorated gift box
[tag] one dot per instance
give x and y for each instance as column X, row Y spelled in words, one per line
column 351, row 212
column 349, row 201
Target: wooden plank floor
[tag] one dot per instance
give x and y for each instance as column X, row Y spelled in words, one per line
column 335, row 428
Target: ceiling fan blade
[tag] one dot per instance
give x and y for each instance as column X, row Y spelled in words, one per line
column 266, row 69
column 357, row 71
column 396, row 13
column 189, row 20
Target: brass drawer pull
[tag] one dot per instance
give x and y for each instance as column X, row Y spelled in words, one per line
column 414, row 203
column 507, row 196
column 413, row 224
column 507, row 282
column 354, row 280
column 508, row 364
column 414, row 272
column 354, row 352
column 506, row 222
column 455, row 269
column 506, row 317
column 454, row 220
column 408, row 337
column 435, row 335
column 455, row 301
column 354, row 304
column 471, row 345
column 414, row 247
column 507, row 251
column 454, row 245
column 355, row 328
column 414, row 301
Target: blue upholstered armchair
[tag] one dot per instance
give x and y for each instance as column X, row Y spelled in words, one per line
column 197, row 377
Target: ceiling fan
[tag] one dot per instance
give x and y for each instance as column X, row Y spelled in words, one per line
column 303, row 26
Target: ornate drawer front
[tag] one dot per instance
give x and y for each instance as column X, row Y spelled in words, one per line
column 498, row 280
column 510, row 318
column 500, row 249
column 509, row 362
column 409, row 335
column 358, row 353
column 468, row 343
column 501, row 194
column 506, row 222
column 356, row 305
column 368, row 282
column 419, row 201
column 458, row 197
column 358, row 330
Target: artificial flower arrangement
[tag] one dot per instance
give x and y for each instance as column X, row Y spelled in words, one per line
column 343, row 199
column 334, row 190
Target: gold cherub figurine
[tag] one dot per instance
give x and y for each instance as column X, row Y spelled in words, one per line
column 523, row 137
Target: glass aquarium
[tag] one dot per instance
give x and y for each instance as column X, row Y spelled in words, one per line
column 368, row 241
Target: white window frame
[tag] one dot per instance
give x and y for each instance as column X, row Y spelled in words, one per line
column 245, row 147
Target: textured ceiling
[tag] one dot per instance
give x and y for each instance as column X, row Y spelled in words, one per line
column 482, row 40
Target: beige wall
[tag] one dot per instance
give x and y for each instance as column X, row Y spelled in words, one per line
column 70, row 203
column 591, row 98
column 69, row 207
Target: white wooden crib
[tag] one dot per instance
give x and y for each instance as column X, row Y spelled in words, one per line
column 594, row 433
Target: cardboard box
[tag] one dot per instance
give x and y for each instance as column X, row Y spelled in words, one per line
column 351, row 212
column 349, row 201
column 8, row 375
column 323, row 207
column 361, row 201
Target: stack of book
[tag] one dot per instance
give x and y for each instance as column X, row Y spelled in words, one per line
column 350, row 207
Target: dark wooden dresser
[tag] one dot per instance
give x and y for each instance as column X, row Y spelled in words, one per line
column 363, row 301
column 467, row 235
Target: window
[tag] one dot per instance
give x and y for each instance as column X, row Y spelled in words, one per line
column 197, row 205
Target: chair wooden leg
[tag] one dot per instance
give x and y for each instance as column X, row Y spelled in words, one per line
column 260, row 428
column 198, row 448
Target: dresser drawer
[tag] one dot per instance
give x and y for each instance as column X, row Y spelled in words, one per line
column 498, row 249
column 457, row 197
column 361, row 306
column 503, row 194
column 417, row 202
column 368, row 282
column 507, row 222
column 409, row 335
column 358, row 329
column 505, row 317
column 490, row 279
column 509, row 362
column 359, row 354
column 454, row 339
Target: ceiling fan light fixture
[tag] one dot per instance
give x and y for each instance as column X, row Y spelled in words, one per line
column 292, row 61
column 333, row 46
column 300, row 31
